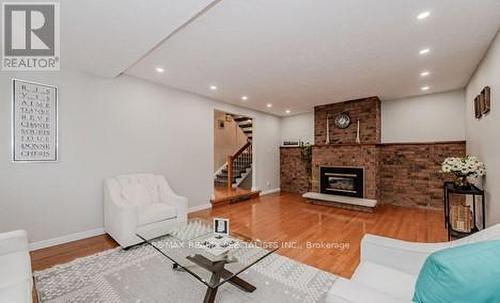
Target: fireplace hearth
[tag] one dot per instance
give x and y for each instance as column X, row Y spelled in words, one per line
column 342, row 181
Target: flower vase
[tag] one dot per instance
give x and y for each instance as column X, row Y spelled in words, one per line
column 462, row 182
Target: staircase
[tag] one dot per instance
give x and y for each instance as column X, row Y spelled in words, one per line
column 245, row 124
column 241, row 161
column 237, row 168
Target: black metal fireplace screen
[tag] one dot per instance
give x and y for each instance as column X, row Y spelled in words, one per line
column 344, row 181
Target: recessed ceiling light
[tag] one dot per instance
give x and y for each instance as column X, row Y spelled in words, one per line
column 269, row 105
column 425, row 74
column 424, row 88
column 244, row 98
column 160, row 69
column 424, row 51
column 213, row 87
column 287, row 111
column 423, row 15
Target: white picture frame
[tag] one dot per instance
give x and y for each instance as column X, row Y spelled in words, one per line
column 221, row 226
column 34, row 122
column 291, row 143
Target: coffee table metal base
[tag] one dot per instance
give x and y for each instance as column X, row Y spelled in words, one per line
column 218, row 272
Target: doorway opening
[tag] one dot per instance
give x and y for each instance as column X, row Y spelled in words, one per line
column 233, row 157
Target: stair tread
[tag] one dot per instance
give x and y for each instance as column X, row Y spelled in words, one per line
column 240, row 118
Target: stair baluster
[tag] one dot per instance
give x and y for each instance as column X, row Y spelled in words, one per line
column 241, row 160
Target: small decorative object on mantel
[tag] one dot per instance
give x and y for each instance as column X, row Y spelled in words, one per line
column 482, row 103
column 462, row 169
column 343, row 121
column 291, row 143
column 358, row 139
column 327, row 141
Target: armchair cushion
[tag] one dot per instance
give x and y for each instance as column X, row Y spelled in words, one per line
column 155, row 212
column 149, row 181
column 137, row 195
column 467, row 273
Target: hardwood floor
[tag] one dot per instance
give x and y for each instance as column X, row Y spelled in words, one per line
column 287, row 217
column 60, row 254
column 223, row 196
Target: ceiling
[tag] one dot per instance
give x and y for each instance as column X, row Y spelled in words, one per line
column 107, row 37
column 293, row 54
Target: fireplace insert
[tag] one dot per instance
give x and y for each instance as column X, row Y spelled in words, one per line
column 344, row 181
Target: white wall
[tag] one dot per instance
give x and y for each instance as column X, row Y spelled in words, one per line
column 435, row 117
column 298, row 127
column 110, row 127
column 483, row 136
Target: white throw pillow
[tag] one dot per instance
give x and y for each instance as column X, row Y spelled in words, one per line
column 137, row 195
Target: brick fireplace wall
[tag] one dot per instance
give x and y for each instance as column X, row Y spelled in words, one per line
column 367, row 110
column 293, row 173
column 409, row 173
column 405, row 174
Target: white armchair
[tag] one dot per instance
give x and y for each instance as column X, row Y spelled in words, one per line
column 16, row 280
column 389, row 268
column 142, row 202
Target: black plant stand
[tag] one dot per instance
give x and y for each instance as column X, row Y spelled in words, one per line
column 451, row 188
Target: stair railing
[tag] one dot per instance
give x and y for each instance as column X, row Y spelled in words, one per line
column 242, row 158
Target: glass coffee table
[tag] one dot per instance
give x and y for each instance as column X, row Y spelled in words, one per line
column 212, row 259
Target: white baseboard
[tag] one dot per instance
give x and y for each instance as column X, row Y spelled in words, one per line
column 66, row 239
column 271, row 191
column 199, row 207
column 90, row 233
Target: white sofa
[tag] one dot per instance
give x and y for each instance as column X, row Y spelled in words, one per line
column 140, row 202
column 389, row 268
column 16, row 280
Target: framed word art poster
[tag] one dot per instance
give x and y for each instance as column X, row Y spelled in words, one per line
column 34, row 122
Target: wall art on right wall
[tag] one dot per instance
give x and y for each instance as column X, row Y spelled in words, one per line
column 485, row 100
column 477, row 108
column 482, row 103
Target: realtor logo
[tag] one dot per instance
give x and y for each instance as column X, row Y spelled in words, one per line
column 30, row 36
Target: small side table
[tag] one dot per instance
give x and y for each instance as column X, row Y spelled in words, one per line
column 450, row 188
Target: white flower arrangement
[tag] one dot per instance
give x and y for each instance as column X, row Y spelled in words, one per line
column 469, row 166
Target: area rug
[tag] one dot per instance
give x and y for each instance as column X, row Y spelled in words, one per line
column 142, row 275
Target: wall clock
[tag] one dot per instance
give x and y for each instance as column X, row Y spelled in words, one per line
column 342, row 121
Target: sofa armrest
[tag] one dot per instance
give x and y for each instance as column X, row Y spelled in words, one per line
column 168, row 196
column 180, row 203
column 348, row 291
column 120, row 219
column 14, row 241
column 404, row 256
